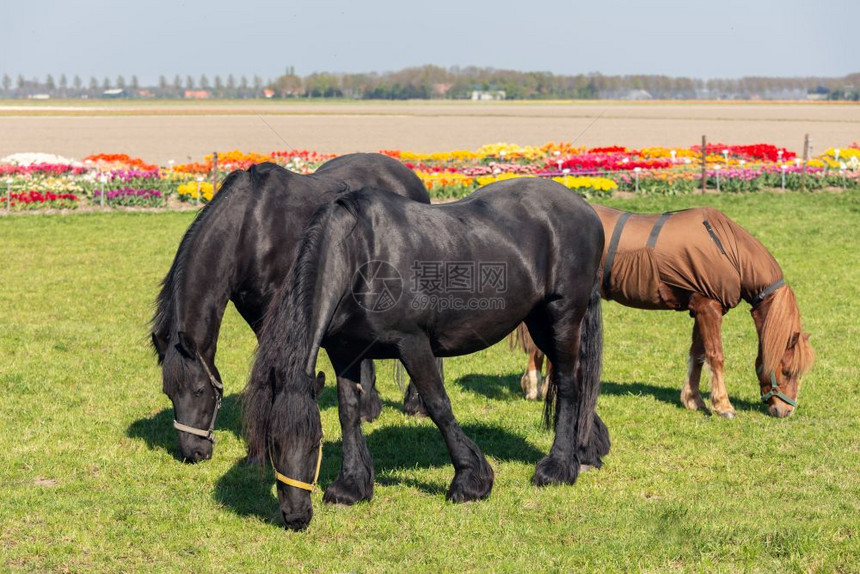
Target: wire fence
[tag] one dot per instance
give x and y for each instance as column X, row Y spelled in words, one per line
column 115, row 181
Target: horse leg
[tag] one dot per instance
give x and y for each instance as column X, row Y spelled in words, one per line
column 413, row 405
column 690, row 396
column 531, row 378
column 355, row 481
column 371, row 404
column 576, row 350
column 473, row 476
column 562, row 464
column 598, row 446
column 709, row 321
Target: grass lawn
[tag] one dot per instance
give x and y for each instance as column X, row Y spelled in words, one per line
column 89, row 478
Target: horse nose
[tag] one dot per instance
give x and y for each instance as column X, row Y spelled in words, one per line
column 194, row 457
column 779, row 411
column 196, row 453
column 297, row 522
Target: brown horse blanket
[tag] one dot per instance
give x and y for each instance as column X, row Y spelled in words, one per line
column 697, row 250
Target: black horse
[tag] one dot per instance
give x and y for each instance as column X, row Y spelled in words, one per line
column 366, row 285
column 240, row 248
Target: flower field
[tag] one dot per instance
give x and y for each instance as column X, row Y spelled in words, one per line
column 35, row 181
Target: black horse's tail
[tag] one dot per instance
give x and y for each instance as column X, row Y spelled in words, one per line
column 592, row 436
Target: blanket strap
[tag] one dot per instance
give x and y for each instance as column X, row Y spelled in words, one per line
column 714, row 237
column 610, row 254
column 766, row 291
column 655, row 231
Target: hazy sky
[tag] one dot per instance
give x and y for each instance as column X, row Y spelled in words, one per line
column 719, row 38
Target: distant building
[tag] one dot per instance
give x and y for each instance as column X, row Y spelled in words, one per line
column 197, row 94
column 269, row 93
column 638, row 95
column 487, row 95
column 441, row 89
column 114, row 93
column 39, row 97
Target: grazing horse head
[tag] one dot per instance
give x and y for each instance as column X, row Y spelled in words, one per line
column 194, row 387
column 287, row 428
column 785, row 354
column 280, row 418
column 295, row 450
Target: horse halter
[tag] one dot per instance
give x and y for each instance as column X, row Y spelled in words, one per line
column 218, row 389
column 774, row 390
column 309, row 486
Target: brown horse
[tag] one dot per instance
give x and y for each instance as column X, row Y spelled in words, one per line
column 699, row 260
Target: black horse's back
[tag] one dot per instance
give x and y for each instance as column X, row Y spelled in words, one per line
column 561, row 226
column 359, row 170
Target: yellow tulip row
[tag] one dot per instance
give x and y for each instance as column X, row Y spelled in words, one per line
column 190, row 189
column 569, row 181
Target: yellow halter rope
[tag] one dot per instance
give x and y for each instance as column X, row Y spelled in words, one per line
column 310, row 487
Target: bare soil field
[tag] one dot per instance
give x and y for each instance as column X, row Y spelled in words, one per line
column 183, row 131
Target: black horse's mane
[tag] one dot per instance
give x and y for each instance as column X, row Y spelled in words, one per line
column 166, row 301
column 280, row 368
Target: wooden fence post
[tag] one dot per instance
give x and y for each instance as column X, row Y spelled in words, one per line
column 214, row 173
column 805, row 161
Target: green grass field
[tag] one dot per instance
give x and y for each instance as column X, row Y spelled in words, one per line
column 89, row 478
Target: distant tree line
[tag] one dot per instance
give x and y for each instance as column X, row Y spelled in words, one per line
column 434, row 82
column 175, row 87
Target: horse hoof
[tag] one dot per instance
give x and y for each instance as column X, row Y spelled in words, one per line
column 695, row 405
column 414, row 406
column 370, row 405
column 728, row 415
column 370, row 415
column 417, row 411
column 347, row 491
column 529, row 385
column 551, row 471
column 471, row 485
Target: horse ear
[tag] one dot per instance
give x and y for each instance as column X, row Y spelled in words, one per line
column 793, row 340
column 159, row 345
column 186, row 346
column 319, row 383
